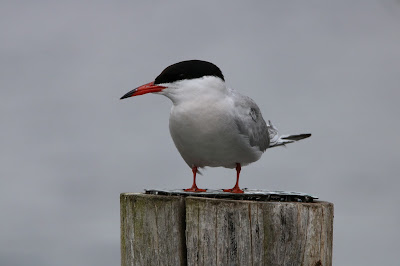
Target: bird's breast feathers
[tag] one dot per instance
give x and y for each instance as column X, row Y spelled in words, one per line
column 208, row 135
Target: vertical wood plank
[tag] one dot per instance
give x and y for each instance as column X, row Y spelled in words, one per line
column 258, row 233
column 152, row 230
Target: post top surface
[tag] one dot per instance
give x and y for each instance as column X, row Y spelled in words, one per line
column 249, row 194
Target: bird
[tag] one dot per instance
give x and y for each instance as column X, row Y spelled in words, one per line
column 211, row 124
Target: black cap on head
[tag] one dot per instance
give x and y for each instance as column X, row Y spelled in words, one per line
column 190, row 69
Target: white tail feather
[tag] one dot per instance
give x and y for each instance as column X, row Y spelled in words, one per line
column 276, row 140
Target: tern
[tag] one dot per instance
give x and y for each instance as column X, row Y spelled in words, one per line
column 211, row 124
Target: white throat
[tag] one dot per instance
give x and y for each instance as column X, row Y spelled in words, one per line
column 207, row 88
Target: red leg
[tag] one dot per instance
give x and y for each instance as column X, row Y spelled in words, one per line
column 194, row 187
column 236, row 188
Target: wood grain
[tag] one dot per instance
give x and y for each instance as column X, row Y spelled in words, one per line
column 152, row 230
column 173, row 230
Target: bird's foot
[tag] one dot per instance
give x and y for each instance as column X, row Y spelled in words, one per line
column 234, row 190
column 195, row 189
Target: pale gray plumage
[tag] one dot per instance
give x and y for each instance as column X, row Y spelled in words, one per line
column 211, row 124
column 250, row 123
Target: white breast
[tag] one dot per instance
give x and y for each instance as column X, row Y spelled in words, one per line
column 205, row 133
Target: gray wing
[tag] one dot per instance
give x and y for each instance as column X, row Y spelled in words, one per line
column 250, row 122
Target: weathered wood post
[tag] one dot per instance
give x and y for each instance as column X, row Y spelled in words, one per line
column 177, row 230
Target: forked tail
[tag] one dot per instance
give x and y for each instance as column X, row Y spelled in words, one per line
column 276, row 140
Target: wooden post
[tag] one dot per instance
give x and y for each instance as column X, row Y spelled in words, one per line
column 175, row 230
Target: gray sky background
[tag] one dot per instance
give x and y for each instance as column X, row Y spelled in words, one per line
column 69, row 146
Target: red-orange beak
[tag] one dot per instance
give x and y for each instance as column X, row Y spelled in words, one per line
column 146, row 88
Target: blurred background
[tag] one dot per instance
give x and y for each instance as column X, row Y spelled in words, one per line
column 69, row 146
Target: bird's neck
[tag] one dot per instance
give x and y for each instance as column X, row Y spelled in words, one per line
column 206, row 90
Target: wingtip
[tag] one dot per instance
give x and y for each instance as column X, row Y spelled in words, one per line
column 297, row 137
